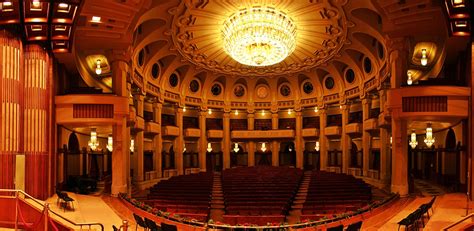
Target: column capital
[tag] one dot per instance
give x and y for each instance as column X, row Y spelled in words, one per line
column 345, row 108
column 365, row 101
column 203, row 113
column 179, row 110
column 299, row 113
column 250, row 115
column 275, row 115
column 118, row 55
column 226, row 115
column 157, row 105
column 139, row 97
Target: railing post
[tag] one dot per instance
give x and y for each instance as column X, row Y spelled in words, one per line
column 46, row 214
column 124, row 225
column 16, row 210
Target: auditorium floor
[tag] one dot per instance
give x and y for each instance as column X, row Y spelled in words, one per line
column 110, row 211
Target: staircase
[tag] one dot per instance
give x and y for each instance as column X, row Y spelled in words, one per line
column 300, row 198
column 217, row 199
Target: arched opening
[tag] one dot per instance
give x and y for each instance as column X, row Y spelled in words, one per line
column 238, row 156
column 287, row 154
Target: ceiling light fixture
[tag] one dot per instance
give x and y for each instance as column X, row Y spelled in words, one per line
column 236, row 147
column 98, row 69
column 424, row 58
column 7, row 4
column 36, row 4
column 63, row 5
column 110, row 143
column 93, row 143
column 429, row 139
column 458, row 3
column 409, row 80
column 259, row 36
column 413, row 141
column 96, row 19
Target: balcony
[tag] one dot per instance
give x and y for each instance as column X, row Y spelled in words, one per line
column 371, row 124
column 335, row 131
column 384, row 120
column 215, row 134
column 170, row 131
column 267, row 134
column 139, row 124
column 354, row 128
column 192, row 132
column 310, row 132
column 152, row 128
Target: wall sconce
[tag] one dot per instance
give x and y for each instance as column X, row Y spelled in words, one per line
column 316, row 146
column 236, row 112
column 98, row 69
column 316, row 109
column 263, row 148
column 424, row 58
column 263, row 112
column 184, row 148
column 413, row 141
column 184, row 109
column 93, row 143
column 236, row 147
column 209, row 148
column 132, row 145
column 209, row 111
column 429, row 139
column 289, row 111
column 110, row 143
column 409, row 80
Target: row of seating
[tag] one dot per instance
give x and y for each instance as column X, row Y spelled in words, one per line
column 417, row 216
column 332, row 193
column 352, row 227
column 188, row 196
column 150, row 225
column 258, row 195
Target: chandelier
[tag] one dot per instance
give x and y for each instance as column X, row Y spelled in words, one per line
column 132, row 145
column 316, row 146
column 236, row 147
column 263, row 148
column 413, row 141
column 259, row 36
column 93, row 142
column 209, row 147
column 429, row 139
column 110, row 143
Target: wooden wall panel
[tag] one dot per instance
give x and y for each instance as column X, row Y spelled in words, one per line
column 425, row 104
column 93, row 111
column 36, row 111
column 10, row 99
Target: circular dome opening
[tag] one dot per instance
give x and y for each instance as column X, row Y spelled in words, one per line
column 155, row 70
column 367, row 65
column 329, row 83
column 350, row 75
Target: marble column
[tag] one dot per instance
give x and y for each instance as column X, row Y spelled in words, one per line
column 251, row 149
column 202, row 143
column 366, row 137
column 226, row 141
column 158, row 140
column 399, row 157
column 299, row 148
column 345, row 140
column 179, row 142
column 384, row 144
column 275, row 143
column 323, row 142
column 120, row 131
column 139, row 141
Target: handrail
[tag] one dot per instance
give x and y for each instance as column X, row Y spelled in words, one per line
column 458, row 222
column 45, row 206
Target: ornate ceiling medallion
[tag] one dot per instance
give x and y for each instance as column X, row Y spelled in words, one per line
column 259, row 36
column 217, row 35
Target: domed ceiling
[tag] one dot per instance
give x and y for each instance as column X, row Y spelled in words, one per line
column 196, row 31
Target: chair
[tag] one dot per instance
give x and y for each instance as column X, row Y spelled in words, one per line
column 419, row 217
column 115, row 228
column 140, row 222
column 152, row 225
column 64, row 197
column 167, row 227
column 407, row 221
column 337, row 228
column 354, row 226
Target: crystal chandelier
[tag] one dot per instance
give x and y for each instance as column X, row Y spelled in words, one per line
column 316, row 146
column 132, row 145
column 209, row 148
column 110, row 143
column 93, row 143
column 424, row 58
column 429, row 139
column 413, row 141
column 236, row 147
column 259, row 36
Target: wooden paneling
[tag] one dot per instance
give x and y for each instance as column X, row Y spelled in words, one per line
column 425, row 104
column 93, row 111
